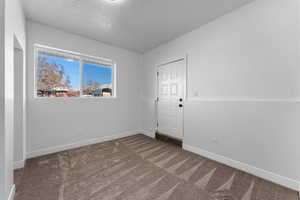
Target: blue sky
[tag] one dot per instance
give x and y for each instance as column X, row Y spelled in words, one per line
column 96, row 73
column 100, row 74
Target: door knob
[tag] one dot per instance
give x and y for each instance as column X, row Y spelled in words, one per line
column 180, row 105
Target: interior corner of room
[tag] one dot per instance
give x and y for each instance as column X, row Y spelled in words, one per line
column 214, row 82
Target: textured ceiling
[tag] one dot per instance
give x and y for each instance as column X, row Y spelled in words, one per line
column 137, row 25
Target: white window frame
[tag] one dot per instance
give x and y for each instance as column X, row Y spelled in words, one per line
column 82, row 58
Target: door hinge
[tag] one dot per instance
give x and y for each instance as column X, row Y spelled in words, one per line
column 157, row 73
column 157, row 124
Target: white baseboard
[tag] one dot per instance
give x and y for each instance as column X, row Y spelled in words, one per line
column 19, row 164
column 148, row 133
column 46, row 151
column 12, row 193
column 264, row 174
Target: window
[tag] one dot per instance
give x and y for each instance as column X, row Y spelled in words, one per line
column 60, row 73
column 97, row 80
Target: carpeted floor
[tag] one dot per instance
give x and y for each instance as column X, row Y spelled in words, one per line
column 138, row 168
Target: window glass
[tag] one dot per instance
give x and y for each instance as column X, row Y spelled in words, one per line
column 97, row 80
column 62, row 74
column 57, row 76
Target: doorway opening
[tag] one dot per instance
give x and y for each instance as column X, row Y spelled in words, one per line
column 19, row 106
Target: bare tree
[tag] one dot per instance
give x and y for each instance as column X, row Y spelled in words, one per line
column 91, row 87
column 51, row 75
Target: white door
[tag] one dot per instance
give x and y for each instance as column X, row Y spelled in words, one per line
column 171, row 94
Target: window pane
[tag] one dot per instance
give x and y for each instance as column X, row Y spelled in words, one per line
column 57, row 76
column 97, row 80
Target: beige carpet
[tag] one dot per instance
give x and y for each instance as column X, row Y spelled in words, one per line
column 138, row 168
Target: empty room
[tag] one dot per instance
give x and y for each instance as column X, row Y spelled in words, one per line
column 149, row 99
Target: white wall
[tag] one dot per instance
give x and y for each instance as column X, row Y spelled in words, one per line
column 19, row 108
column 55, row 123
column 14, row 29
column 2, row 132
column 243, row 83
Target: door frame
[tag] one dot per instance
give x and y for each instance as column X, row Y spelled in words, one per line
column 166, row 62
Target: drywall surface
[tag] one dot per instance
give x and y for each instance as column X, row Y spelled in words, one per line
column 19, row 104
column 242, row 86
column 14, row 28
column 53, row 123
column 2, row 100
